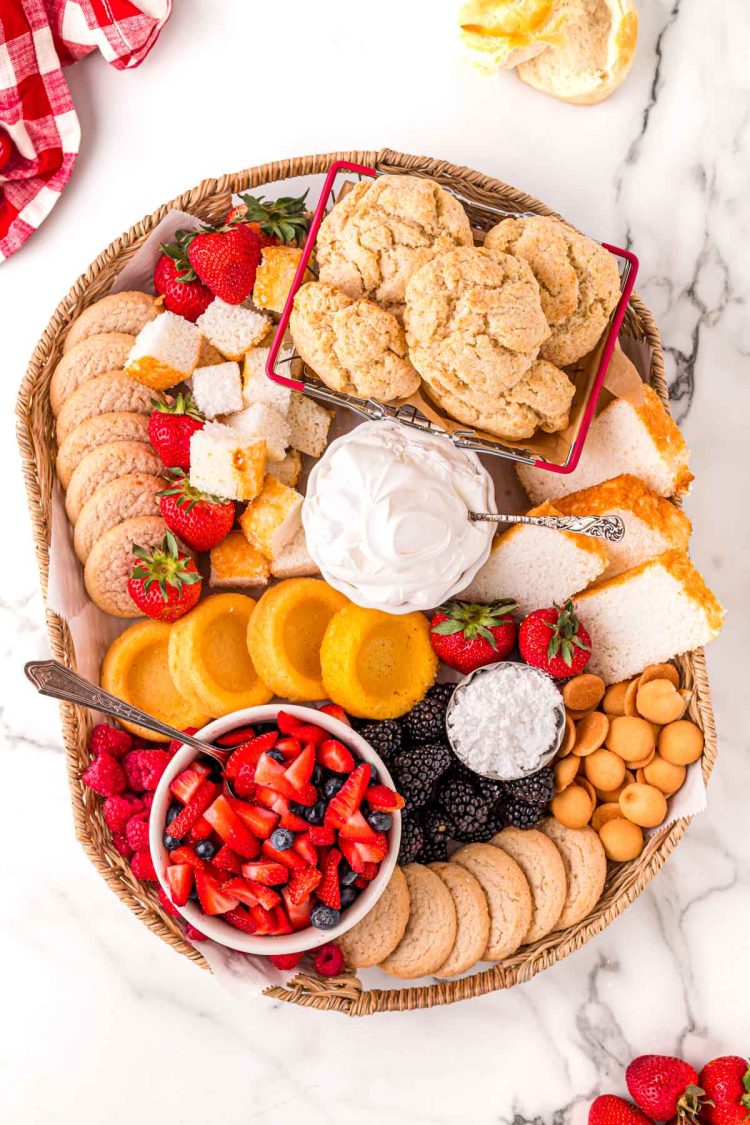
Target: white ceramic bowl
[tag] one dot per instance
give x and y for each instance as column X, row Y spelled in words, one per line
column 222, row 932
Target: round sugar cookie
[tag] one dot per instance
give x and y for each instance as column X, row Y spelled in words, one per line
column 102, row 395
column 541, row 863
column 585, row 868
column 472, row 918
column 508, row 896
column 117, row 312
column 382, row 928
column 90, row 357
column 119, row 425
column 431, row 930
column 107, row 463
column 111, row 561
column 135, row 494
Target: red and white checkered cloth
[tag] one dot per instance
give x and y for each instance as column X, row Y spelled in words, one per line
column 37, row 39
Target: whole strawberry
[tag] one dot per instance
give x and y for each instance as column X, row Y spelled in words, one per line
column 726, row 1081
column 611, row 1110
column 183, row 293
column 226, row 261
column 273, row 220
column 466, row 636
column 165, row 583
column 665, row 1088
column 554, row 640
column 171, row 427
column 199, row 519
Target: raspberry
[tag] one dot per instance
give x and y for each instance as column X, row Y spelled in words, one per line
column 109, row 740
column 119, row 810
column 152, row 764
column 285, row 960
column 329, row 960
column 131, row 763
column 122, row 846
column 167, row 905
column 148, row 800
column 105, row 776
column 136, row 832
column 174, row 745
column 142, row 866
column 194, row 935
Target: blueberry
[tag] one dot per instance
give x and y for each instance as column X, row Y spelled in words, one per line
column 193, row 896
column 172, row 812
column 170, row 842
column 379, row 821
column 281, row 839
column 298, row 809
column 317, row 775
column 374, row 780
column 206, row 849
column 346, row 875
column 276, row 755
column 348, row 896
column 324, row 917
column 332, row 785
column 316, row 814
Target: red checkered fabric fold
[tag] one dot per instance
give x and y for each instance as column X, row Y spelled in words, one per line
column 37, row 39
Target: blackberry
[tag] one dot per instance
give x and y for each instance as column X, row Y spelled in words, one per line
column 418, row 769
column 437, row 829
column 538, row 789
column 467, row 808
column 412, row 839
column 433, row 851
column 385, row 738
column 426, row 721
column 491, row 790
column 519, row 814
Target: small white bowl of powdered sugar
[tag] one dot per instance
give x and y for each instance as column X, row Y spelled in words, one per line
column 506, row 720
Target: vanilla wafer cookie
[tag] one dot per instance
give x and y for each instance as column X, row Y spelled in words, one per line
column 135, row 494
column 472, row 918
column 508, row 896
column 117, row 312
column 102, row 395
column 585, row 868
column 93, row 356
column 120, row 425
column 542, row 864
column 111, row 561
column 379, row 932
column 104, row 464
column 431, row 930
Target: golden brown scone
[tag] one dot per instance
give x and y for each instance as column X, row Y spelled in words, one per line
column 113, row 392
column 377, row 935
column 102, row 429
column 500, row 34
column 579, row 281
column 354, row 346
column 96, row 355
column 474, row 323
column 385, row 229
column 111, row 561
column 593, row 56
column 117, row 312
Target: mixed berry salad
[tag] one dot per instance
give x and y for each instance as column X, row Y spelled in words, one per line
column 286, row 836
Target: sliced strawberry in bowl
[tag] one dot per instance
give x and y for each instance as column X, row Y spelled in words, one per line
column 287, row 723
column 184, row 786
column 248, row 753
column 225, row 821
column 235, row 737
column 261, row 822
column 304, row 847
column 298, row 913
column 298, row 774
column 383, row 799
column 252, row 894
column 210, row 895
column 267, row 872
column 348, row 799
column 357, row 828
column 335, row 756
column 180, row 879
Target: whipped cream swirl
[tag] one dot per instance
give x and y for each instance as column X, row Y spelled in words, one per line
column 386, row 517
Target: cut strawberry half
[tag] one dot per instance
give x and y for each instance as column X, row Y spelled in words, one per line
column 348, row 799
column 374, row 852
column 252, row 894
column 308, row 732
column 288, row 858
column 201, row 830
column 227, row 860
column 269, row 873
column 334, row 756
column 244, row 783
column 287, row 723
column 222, row 817
column 321, row 835
column 210, row 895
column 370, row 871
column 186, row 855
column 304, row 881
column 304, row 846
column 260, row 821
column 297, row 912
column 289, row 819
column 241, row 919
column 248, row 754
column 272, row 775
column 265, row 796
column 336, row 712
column 263, row 919
column 329, row 891
column 195, row 808
column 350, row 851
column 180, row 880
column 281, row 924
column 235, row 737
column 289, row 746
column 357, row 828
column 385, row 799
column 186, row 783
column 298, row 774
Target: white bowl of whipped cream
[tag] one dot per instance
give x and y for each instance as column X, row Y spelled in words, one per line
column 386, row 517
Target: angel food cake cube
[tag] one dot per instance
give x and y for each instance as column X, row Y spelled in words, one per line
column 309, row 424
column 286, row 471
column 273, row 518
column 226, row 464
column 236, row 563
column 294, row 561
column 262, row 420
column 232, row 329
column 258, row 387
column 165, row 352
column 274, row 277
column 217, row 389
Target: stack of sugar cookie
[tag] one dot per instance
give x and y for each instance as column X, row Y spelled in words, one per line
column 625, row 753
column 486, row 902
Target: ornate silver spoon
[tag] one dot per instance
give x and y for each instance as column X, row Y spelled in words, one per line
column 600, row 527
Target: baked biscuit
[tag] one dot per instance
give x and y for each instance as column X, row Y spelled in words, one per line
column 102, row 429
column 106, row 463
column 117, row 312
column 135, row 494
column 500, row 34
column 382, row 928
column 93, row 356
column 585, row 869
column 472, row 919
column 579, row 281
column 431, row 930
column 102, row 395
column 508, row 896
column 111, row 561
column 474, row 323
column 382, row 231
column 354, row 346
column 542, row 864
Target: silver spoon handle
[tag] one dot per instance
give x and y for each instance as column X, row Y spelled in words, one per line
column 53, row 679
column 610, row 528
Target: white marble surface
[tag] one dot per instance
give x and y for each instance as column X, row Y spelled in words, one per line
column 101, row 1022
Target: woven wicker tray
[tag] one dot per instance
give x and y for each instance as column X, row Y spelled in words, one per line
column 211, row 200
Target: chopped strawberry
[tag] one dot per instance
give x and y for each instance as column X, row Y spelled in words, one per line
column 201, row 830
column 352, row 855
column 142, row 866
column 185, row 785
column 304, row 846
column 210, row 895
column 252, row 894
column 320, row 835
column 109, row 740
column 167, row 904
column 285, row 961
column 281, row 924
column 272, row 775
column 263, row 919
column 360, row 882
column 266, row 797
column 184, row 854
column 303, row 882
column 176, row 745
column 336, row 712
column 374, row 852
column 289, row 819
column 248, row 753
column 244, row 783
column 288, row 858
column 328, row 891
column 349, row 797
column 193, row 934
column 227, row 860
column 297, row 912
column 270, row 874
column 195, row 808
column 289, row 746
column 286, row 722
column 370, row 871
column 260, row 821
column 382, row 798
column 241, row 920
column 300, row 771
column 236, row 737
column 180, row 879
column 334, row 756
column 105, row 776
column 357, row 828
column 222, row 817
column 308, row 732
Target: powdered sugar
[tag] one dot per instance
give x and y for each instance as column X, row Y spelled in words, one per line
column 505, row 720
